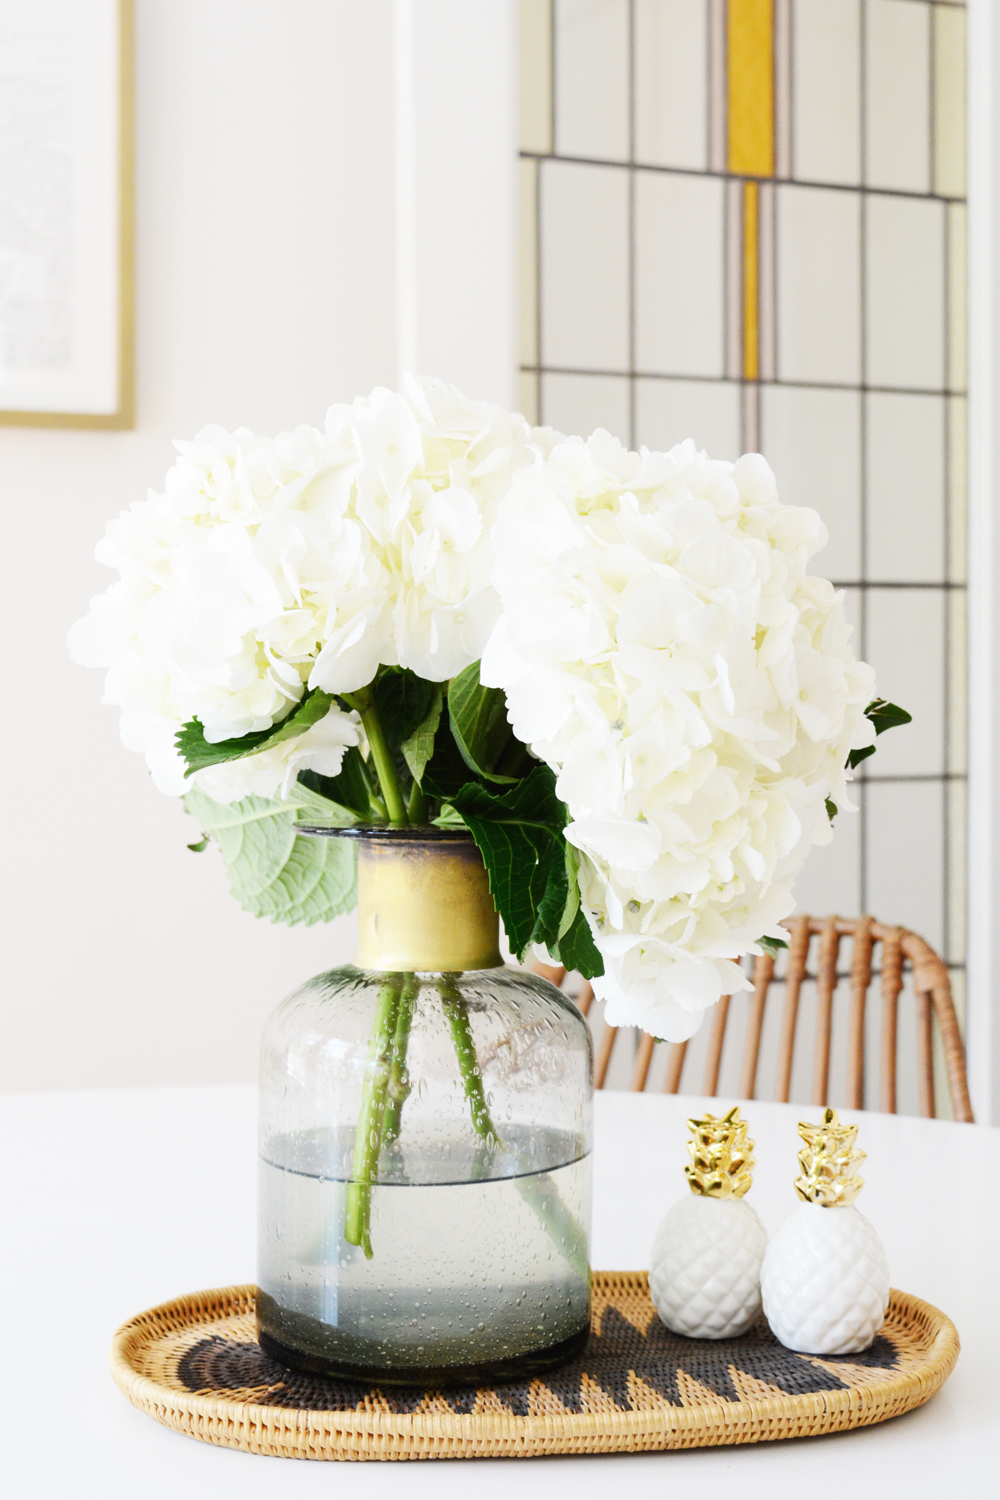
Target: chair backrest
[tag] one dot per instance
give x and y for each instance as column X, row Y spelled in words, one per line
column 899, row 949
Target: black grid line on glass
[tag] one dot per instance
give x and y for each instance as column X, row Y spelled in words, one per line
column 722, row 176
column 527, row 368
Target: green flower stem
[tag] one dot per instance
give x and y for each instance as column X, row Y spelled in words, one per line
column 417, row 806
column 468, row 1063
column 368, row 1138
column 538, row 1191
column 385, row 769
column 398, row 1089
column 378, row 809
column 563, row 1228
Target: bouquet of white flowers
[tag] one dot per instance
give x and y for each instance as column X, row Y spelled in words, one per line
column 612, row 668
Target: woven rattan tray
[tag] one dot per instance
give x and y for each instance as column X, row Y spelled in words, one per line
column 195, row 1365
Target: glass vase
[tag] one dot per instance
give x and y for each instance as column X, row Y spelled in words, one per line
column 425, row 1136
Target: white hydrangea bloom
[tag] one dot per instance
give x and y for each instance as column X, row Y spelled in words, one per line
column 664, row 650
column 270, row 566
column 431, row 470
column 219, row 610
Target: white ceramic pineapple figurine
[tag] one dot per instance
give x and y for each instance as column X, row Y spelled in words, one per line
column 825, row 1281
column 704, row 1275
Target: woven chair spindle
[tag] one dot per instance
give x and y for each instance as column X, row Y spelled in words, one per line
column 951, row 1043
column 643, row 1058
column 861, row 978
column 603, row 1058
column 892, row 983
column 925, row 1055
column 675, row 1067
column 798, row 957
column 763, row 973
column 715, row 1043
column 928, row 974
column 826, row 985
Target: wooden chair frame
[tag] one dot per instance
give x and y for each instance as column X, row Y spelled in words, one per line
column 899, row 947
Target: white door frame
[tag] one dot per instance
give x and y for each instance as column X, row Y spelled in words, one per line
column 456, row 199
column 983, row 1023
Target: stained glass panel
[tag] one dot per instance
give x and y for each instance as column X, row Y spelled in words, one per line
column 752, row 231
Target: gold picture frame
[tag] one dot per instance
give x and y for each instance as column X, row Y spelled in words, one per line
column 83, row 135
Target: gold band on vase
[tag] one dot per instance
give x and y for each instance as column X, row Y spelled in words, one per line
column 425, row 904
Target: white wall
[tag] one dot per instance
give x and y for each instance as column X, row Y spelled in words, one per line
column 265, row 290
column 272, row 242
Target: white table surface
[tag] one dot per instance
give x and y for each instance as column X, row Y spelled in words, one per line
column 113, row 1201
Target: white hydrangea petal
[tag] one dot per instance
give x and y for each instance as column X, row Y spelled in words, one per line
column 168, row 769
column 350, row 658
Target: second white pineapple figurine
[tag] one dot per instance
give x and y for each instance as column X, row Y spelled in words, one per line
column 825, row 1281
column 704, row 1275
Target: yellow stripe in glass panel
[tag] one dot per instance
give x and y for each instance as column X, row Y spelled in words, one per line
column 751, row 282
column 750, row 68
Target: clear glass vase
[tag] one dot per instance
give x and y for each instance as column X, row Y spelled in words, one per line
column 425, row 1136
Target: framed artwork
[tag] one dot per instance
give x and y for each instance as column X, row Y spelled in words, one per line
column 66, row 297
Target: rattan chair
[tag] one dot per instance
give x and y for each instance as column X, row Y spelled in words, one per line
column 899, row 948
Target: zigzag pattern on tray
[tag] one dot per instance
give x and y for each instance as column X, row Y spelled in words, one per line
column 623, row 1365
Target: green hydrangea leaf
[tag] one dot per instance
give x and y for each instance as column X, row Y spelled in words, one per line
column 855, row 757
column 831, row 808
column 198, row 753
column 446, row 773
column 772, row 945
column 418, row 746
column 519, row 833
column 886, row 715
column 448, row 817
column 479, row 724
column 574, row 945
column 274, row 871
column 403, row 701
column 883, row 716
column 577, row 950
column 349, row 792
column 573, row 888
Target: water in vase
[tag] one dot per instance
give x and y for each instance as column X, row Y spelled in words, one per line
column 506, row 1275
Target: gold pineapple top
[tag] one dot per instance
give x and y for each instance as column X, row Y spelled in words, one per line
column 829, row 1163
column 721, row 1164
